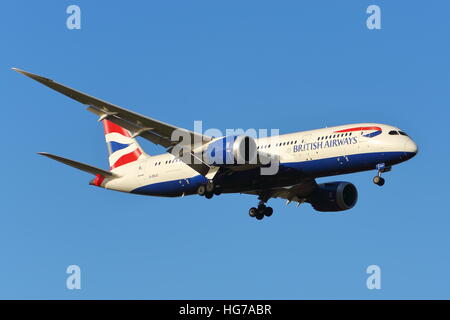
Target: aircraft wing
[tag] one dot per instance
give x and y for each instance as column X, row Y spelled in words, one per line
column 297, row 193
column 153, row 130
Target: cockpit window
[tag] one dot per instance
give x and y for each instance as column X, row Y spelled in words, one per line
column 393, row 133
column 403, row 133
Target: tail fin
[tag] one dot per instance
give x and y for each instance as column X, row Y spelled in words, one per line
column 122, row 147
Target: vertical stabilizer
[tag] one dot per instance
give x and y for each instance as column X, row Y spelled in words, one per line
column 122, row 148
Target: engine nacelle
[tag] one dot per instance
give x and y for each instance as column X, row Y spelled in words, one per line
column 334, row 196
column 231, row 150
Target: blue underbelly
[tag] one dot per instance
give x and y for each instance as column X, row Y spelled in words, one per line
column 172, row 188
column 310, row 168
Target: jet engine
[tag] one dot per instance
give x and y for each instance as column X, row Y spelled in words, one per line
column 334, row 196
column 240, row 149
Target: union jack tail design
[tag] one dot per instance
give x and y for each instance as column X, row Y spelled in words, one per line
column 122, row 148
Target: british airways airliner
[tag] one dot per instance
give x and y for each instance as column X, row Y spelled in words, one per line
column 301, row 157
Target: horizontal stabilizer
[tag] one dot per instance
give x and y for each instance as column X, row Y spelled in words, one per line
column 79, row 165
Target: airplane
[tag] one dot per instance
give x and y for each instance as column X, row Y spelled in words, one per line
column 210, row 166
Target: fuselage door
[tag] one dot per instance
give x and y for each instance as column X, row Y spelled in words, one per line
column 141, row 174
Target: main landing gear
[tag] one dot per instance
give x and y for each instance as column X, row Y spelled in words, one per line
column 378, row 180
column 261, row 211
column 208, row 190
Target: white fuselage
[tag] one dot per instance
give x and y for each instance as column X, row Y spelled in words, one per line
column 314, row 153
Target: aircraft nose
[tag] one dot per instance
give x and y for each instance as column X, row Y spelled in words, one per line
column 411, row 147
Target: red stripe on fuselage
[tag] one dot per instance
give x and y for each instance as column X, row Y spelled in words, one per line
column 359, row 129
column 110, row 127
column 127, row 158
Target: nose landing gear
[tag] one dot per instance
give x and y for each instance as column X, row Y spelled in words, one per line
column 378, row 180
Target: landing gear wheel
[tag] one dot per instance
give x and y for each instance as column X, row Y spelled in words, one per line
column 378, row 180
column 268, row 211
column 253, row 212
column 217, row 191
column 210, row 186
column 381, row 167
column 201, row 190
column 208, row 195
column 262, row 210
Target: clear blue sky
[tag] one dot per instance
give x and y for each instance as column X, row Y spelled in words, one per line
column 233, row 64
